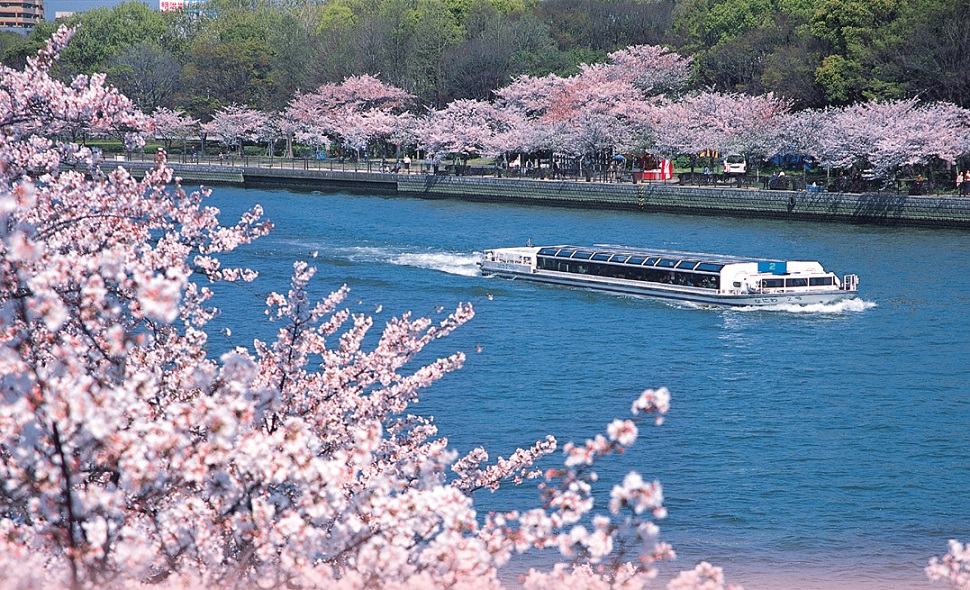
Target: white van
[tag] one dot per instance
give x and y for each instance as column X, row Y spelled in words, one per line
column 735, row 164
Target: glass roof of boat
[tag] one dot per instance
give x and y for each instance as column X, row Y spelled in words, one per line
column 661, row 258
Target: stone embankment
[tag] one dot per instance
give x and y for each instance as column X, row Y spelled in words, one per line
column 881, row 208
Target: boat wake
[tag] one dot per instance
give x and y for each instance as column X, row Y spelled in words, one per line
column 456, row 263
column 846, row 306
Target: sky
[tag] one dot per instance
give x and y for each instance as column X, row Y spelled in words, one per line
column 52, row 6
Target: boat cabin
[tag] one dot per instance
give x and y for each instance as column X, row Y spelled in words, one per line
column 725, row 274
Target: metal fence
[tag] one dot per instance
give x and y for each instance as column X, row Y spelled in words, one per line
column 810, row 182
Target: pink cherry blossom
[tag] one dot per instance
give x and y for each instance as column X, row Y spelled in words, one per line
column 703, row 577
column 169, row 125
column 728, row 123
column 622, row 431
column 235, row 124
column 463, row 128
column 953, row 568
column 357, row 112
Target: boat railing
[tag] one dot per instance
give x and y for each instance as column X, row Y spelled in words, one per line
column 850, row 282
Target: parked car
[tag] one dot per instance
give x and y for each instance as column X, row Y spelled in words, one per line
column 735, row 164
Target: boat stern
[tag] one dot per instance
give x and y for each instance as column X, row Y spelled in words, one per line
column 511, row 261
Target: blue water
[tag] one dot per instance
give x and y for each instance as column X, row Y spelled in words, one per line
column 817, row 450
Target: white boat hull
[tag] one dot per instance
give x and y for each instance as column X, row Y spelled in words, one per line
column 643, row 289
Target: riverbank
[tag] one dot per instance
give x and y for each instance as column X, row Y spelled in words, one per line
column 865, row 208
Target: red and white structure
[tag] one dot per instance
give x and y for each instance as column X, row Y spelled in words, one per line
column 665, row 171
column 179, row 5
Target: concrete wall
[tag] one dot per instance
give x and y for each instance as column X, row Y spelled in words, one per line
column 853, row 208
column 274, row 177
column 319, row 179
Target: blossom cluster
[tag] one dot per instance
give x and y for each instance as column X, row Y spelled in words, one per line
column 953, row 568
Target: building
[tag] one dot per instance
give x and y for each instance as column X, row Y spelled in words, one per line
column 63, row 14
column 21, row 14
column 179, row 5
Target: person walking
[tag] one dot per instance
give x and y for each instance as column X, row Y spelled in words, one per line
column 960, row 179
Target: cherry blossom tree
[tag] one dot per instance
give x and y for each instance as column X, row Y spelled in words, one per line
column 169, row 125
column 920, row 134
column 728, row 123
column 529, row 94
column 882, row 135
column 234, row 124
column 462, row 129
column 287, row 128
column 593, row 101
column 847, row 136
column 25, row 147
column 364, row 92
column 401, row 134
column 587, row 116
column 603, row 109
column 888, row 135
column 306, row 127
column 357, row 112
column 652, row 68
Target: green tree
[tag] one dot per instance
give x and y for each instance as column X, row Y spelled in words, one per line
column 104, row 33
column 752, row 46
column 145, row 73
column 855, row 32
column 606, row 25
column 230, row 61
column 497, row 46
column 11, row 44
column 929, row 51
column 433, row 32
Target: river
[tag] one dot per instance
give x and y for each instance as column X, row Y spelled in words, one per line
column 814, row 449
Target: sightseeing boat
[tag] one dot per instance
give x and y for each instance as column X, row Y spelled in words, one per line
column 669, row 274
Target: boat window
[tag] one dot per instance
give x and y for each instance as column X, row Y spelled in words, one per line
column 667, row 263
column 634, row 273
column 688, row 264
column 565, row 253
column 635, row 260
column 583, row 255
column 651, row 261
column 772, row 283
column 604, row 256
column 820, row 281
column 709, row 267
column 619, row 258
column 548, row 251
column 796, row 282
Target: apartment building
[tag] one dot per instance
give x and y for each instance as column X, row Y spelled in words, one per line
column 21, row 14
